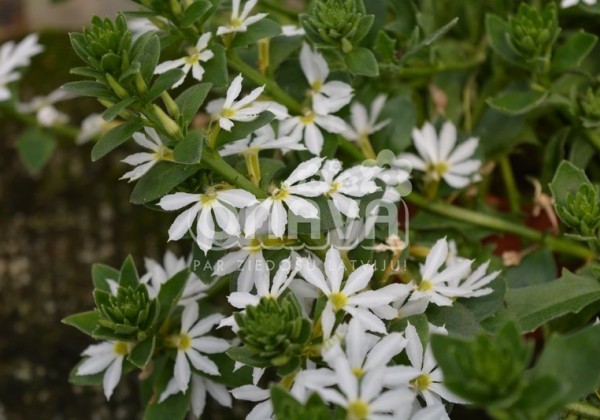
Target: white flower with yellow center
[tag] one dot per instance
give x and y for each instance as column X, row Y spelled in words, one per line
column 144, row 161
column 192, row 345
column 195, row 56
column 365, row 123
column 307, row 127
column 346, row 186
column 439, row 158
column 93, row 126
column 262, row 139
column 239, row 22
column 43, row 108
column 350, row 298
column 249, row 260
column 107, row 356
column 228, row 110
column 200, row 387
column 428, row 383
column 290, row 193
column 13, row 56
column 213, row 205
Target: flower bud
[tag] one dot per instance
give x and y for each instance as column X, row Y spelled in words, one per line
column 582, row 210
column 532, row 33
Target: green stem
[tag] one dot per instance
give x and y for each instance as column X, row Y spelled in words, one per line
column 215, row 162
column 270, row 85
column 365, row 145
column 584, row 410
column 560, row 245
column 509, row 183
column 60, row 129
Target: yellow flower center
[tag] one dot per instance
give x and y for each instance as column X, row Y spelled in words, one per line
column 358, row 410
column 425, row 286
column 438, row 169
column 338, row 300
column 358, row 372
column 335, row 187
column 280, row 193
column 308, row 118
column 228, row 113
column 192, row 59
column 421, row 382
column 184, row 342
column 317, row 85
column 236, row 23
column 208, row 198
column 121, row 348
column 164, row 153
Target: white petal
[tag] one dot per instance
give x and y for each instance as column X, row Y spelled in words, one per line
column 464, row 151
column 358, row 279
column 177, row 201
column 305, row 170
column 183, row 222
column 278, row 219
column 237, row 198
column 182, row 371
column 202, row 363
column 112, row 377
column 334, row 269
column 436, row 257
column 447, row 140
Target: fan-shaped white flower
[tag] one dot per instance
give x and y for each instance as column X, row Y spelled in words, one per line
column 13, row 56
column 354, row 182
column 307, row 127
column 365, row 123
column 92, row 126
column 43, row 108
column 192, row 345
column 239, row 22
column 349, row 298
column 200, row 387
column 144, row 161
column 262, row 139
column 107, row 356
column 290, row 193
column 217, row 203
column 195, row 56
column 439, row 158
column 228, row 110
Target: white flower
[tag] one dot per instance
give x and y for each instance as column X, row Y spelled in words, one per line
column 140, row 26
column 239, row 22
column 196, row 55
column 434, row 285
column 227, row 110
column 43, row 106
column 262, row 139
column 363, row 351
column 200, row 386
column 327, row 97
column 192, row 345
column 144, row 161
column 429, row 382
column 349, row 299
column 365, row 398
column 364, row 125
column 292, row 30
column 440, row 159
column 13, row 56
column 289, row 192
column 157, row 275
column 569, row 3
column 249, row 260
column 92, row 126
column 261, row 411
column 307, row 127
column 353, row 182
column 107, row 356
column 473, row 285
column 215, row 203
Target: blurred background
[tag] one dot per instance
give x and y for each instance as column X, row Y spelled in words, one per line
column 53, row 227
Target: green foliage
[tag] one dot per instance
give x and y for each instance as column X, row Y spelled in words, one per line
column 532, row 32
column 35, row 148
column 274, row 332
column 285, row 406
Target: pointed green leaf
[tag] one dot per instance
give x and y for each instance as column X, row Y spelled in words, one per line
column 160, row 180
column 141, row 354
column 498, row 32
column 170, row 293
column 243, row 129
column 189, row 150
column 86, row 322
column 35, row 148
column 517, row 103
column 128, row 277
column 89, row 88
column 264, row 28
column 190, row 101
column 362, row 61
column 163, row 83
column 567, row 180
column 114, row 138
column 112, row 112
column 101, row 273
column 572, row 53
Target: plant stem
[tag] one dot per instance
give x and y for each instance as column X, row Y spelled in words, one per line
column 560, row 245
column 215, row 162
column 60, row 129
column 584, row 410
column 509, row 183
column 270, row 85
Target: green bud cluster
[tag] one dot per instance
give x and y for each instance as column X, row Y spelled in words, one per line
column 338, row 23
column 590, row 106
column 129, row 314
column 105, row 45
column 532, row 33
column 274, row 330
column 582, row 210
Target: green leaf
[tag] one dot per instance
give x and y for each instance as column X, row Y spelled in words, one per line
column 86, row 322
column 246, row 357
column 243, row 129
column 35, row 148
column 175, row 407
column 163, row 83
column 114, row 138
column 385, row 46
column 269, row 168
column 573, row 360
column 430, row 39
column 148, row 56
column 101, row 273
column 456, row 319
column 189, row 150
column 190, row 100
column 567, row 180
column 128, row 276
column 169, row 295
column 572, row 53
column 517, row 103
column 160, row 180
column 536, row 268
column 216, row 67
column 264, row 28
column 362, row 61
column 498, row 32
column 88, row 88
column 485, row 306
column 141, row 354
column 533, row 306
column 194, row 12
column 112, row 112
